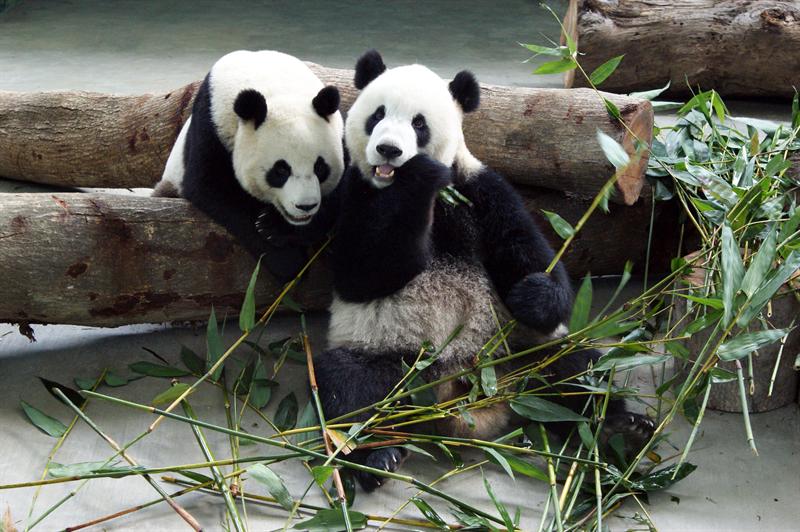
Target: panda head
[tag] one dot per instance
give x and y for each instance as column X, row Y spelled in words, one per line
column 405, row 111
column 288, row 153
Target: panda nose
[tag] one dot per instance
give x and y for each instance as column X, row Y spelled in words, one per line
column 389, row 151
column 307, row 207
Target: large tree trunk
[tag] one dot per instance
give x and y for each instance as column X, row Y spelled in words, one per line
column 745, row 48
column 109, row 260
column 541, row 137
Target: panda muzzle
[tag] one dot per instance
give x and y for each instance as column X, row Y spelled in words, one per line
column 384, row 171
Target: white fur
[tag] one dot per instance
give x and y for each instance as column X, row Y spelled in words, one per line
column 293, row 131
column 405, row 92
column 175, row 168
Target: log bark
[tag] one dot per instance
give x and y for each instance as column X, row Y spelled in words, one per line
column 109, row 260
column 741, row 48
column 541, row 137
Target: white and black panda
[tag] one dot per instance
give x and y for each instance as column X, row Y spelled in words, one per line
column 263, row 144
column 409, row 269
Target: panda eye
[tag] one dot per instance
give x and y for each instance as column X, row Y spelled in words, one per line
column 379, row 113
column 321, row 169
column 418, row 122
column 279, row 174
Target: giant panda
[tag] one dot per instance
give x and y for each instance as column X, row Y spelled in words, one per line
column 259, row 154
column 410, row 269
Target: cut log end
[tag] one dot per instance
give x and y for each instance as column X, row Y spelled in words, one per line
column 637, row 139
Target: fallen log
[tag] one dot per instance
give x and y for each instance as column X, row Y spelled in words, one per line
column 110, row 260
column 741, row 48
column 541, row 137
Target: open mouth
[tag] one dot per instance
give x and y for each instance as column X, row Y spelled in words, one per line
column 298, row 220
column 384, row 172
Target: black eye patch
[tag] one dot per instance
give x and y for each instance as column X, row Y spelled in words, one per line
column 279, row 174
column 422, row 130
column 321, row 169
column 374, row 118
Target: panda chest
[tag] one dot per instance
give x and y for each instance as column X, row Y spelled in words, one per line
column 449, row 296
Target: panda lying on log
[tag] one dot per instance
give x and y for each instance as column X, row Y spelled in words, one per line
column 260, row 153
column 409, row 269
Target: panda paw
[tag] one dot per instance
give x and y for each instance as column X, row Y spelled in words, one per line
column 424, row 171
column 636, row 431
column 273, row 228
column 388, row 459
column 539, row 302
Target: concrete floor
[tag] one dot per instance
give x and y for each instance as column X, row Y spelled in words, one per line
column 140, row 46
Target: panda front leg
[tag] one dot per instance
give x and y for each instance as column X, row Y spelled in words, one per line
column 349, row 380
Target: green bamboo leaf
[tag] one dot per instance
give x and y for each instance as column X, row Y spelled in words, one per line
column 612, row 109
column 322, row 474
column 649, row 95
column 556, row 67
column 156, row 370
column 286, row 416
column 419, row 450
column 49, row 425
column 499, row 459
column 429, row 513
column 260, row 386
column 769, row 287
column 542, row 410
column 796, row 110
column 705, row 301
column 625, row 362
column 489, row 381
column 559, row 51
column 523, row 467
column 332, row 520
column 500, row 506
column 57, row 470
column 732, row 273
column 83, row 384
column 247, row 316
column 582, row 306
column 197, row 477
column 745, row 343
column 776, row 165
column 761, row 263
column 601, row 73
column 274, row 484
column 308, row 418
column 214, row 348
column 562, row 227
column 192, row 361
column 664, row 478
column 114, row 380
column 613, row 151
column 170, row 394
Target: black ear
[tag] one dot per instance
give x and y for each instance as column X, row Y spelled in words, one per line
column 326, row 102
column 466, row 91
column 251, row 105
column 369, row 66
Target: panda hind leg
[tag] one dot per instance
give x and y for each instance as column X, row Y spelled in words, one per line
column 636, row 430
column 349, row 380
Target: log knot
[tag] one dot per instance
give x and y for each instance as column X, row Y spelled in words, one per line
column 779, row 17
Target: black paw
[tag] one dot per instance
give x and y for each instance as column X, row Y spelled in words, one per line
column 274, row 229
column 631, row 432
column 388, row 459
column 425, row 171
column 539, row 301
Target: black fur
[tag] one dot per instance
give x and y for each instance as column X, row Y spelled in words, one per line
column 326, row 102
column 374, row 118
column 321, row 169
column 466, row 91
column 383, row 235
column 279, row 174
column 251, row 105
column 515, row 255
column 369, row 66
column 422, row 130
column 210, row 184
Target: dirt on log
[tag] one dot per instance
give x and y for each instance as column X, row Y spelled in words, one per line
column 539, row 137
column 741, row 48
column 110, row 260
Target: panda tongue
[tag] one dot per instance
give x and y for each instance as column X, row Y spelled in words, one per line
column 385, row 169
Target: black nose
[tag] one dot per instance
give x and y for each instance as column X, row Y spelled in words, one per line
column 308, row 207
column 389, row 151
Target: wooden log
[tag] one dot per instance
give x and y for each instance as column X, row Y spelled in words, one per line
column 541, row 137
column 109, row 260
column 741, row 48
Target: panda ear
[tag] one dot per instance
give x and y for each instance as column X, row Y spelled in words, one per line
column 466, row 91
column 326, row 102
column 251, row 105
column 369, row 66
